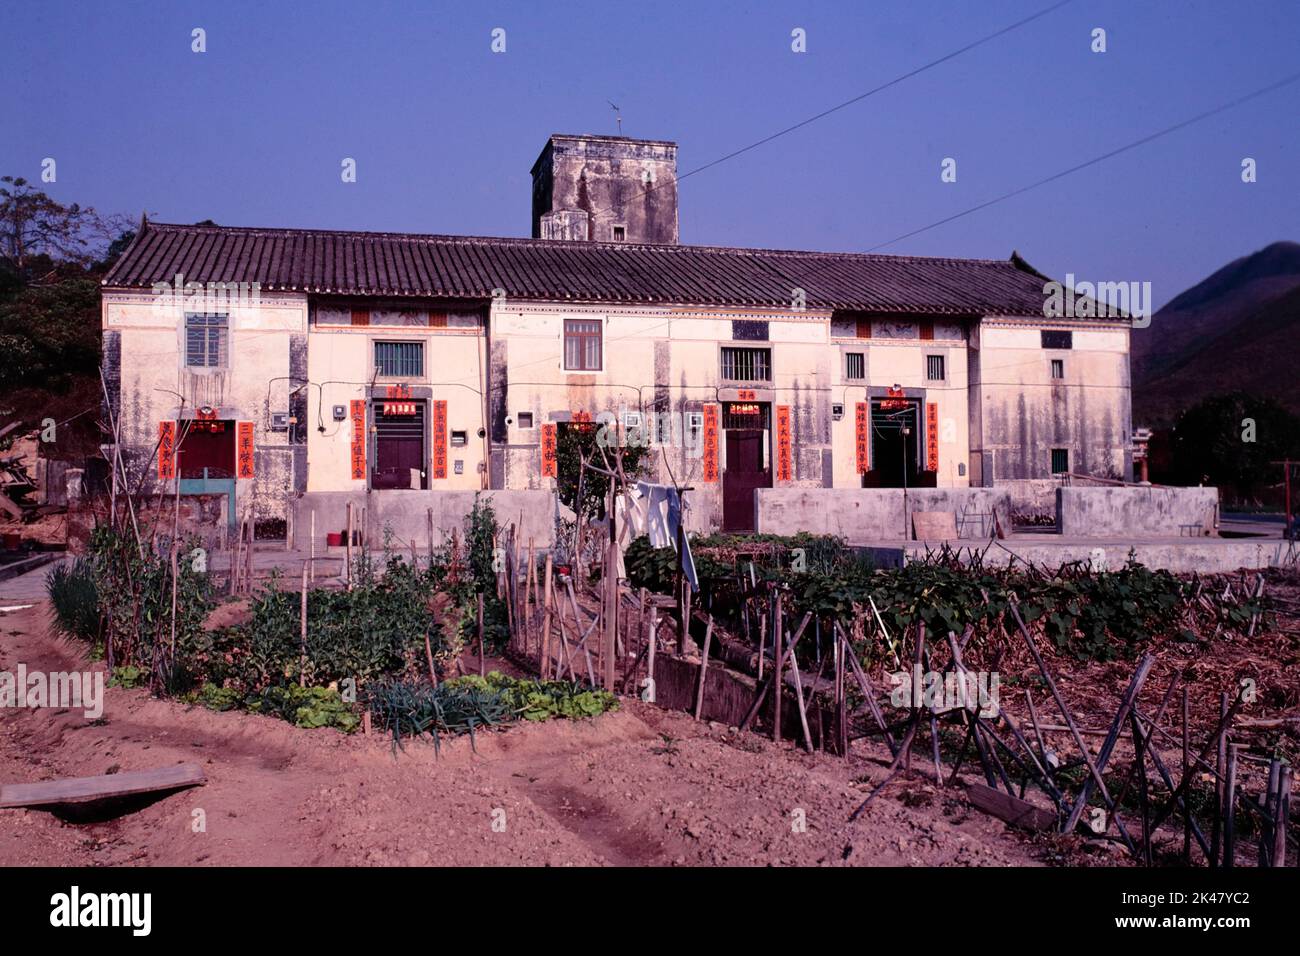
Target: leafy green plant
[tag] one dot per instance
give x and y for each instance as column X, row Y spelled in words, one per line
column 75, row 599
column 465, row 705
column 134, row 584
column 377, row 628
column 307, row 707
column 128, row 676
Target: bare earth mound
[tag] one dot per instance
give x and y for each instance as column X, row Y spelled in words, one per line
column 640, row 786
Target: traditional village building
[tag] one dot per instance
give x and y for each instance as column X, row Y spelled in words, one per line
column 313, row 366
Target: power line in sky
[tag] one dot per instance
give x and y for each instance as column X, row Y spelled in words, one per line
column 1223, row 107
column 872, row 92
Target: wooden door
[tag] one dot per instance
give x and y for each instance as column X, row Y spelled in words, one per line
column 744, row 472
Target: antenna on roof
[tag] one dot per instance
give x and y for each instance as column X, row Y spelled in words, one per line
column 617, row 118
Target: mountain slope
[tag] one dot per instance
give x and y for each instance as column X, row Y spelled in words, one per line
column 1239, row 329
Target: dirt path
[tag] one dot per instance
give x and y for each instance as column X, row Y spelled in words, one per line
column 637, row 787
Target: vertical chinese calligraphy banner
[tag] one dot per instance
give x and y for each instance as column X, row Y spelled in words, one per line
column 710, row 449
column 932, row 437
column 440, row 439
column 862, row 426
column 244, row 450
column 784, row 444
column 166, row 451
column 550, row 446
column 358, row 438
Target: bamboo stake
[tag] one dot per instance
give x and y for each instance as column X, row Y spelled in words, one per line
column 530, row 598
column 1282, row 815
column 548, row 601
column 1095, row 774
column 704, row 666
column 1221, row 759
column 865, row 687
column 611, row 615
column 765, row 686
column 302, row 629
column 650, row 654
column 803, row 713
column 778, row 669
column 171, row 666
column 1269, row 800
column 1187, row 817
column 482, row 657
column 349, row 547
column 252, row 538
column 1230, row 809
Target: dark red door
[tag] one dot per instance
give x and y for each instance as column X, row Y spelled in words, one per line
column 399, row 449
column 744, row 472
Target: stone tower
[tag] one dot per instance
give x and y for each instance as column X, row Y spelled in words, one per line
column 605, row 189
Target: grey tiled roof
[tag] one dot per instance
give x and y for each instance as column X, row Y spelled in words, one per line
column 470, row 267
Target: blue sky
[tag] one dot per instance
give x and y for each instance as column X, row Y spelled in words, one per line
column 444, row 131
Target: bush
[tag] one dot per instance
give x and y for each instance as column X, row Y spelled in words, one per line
column 72, row 592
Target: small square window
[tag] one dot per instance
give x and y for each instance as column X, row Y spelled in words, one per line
column 459, row 438
column 1060, row 461
column 934, row 368
column 1058, row 368
column 400, row 359
column 855, row 366
column 746, row 365
column 524, row 419
column 620, row 233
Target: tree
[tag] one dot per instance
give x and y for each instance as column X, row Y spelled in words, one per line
column 52, row 257
column 578, row 440
column 32, row 223
column 1230, row 441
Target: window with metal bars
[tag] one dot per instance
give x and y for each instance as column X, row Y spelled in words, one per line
column 746, row 365
column 400, row 359
column 582, row 345
column 1060, row 461
column 1058, row 368
column 206, row 340
column 855, row 365
column 934, row 368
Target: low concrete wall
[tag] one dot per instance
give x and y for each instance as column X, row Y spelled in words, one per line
column 862, row 515
column 406, row 513
column 1179, row 555
column 1033, row 500
column 1137, row 512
